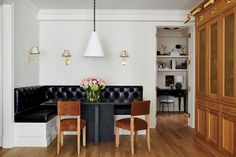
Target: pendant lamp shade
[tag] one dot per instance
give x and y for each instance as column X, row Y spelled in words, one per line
column 94, row 47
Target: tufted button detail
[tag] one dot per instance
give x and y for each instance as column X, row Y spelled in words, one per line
column 136, row 95
column 126, row 95
column 122, row 89
column 111, row 89
column 107, row 95
column 131, row 89
column 73, row 89
column 79, row 95
column 116, row 95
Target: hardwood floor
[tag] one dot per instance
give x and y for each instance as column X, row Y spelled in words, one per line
column 172, row 138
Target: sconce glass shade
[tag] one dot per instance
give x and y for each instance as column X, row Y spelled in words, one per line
column 124, row 54
column 33, row 53
column 94, row 48
column 66, row 53
column 34, row 50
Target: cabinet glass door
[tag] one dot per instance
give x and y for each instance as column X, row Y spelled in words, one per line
column 228, row 82
column 202, row 61
column 213, row 57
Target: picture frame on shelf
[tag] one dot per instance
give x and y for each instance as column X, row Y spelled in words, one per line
column 169, row 79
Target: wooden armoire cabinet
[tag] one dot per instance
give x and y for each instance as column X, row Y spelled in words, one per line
column 216, row 76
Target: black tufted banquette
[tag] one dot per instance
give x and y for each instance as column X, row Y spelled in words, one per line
column 28, row 100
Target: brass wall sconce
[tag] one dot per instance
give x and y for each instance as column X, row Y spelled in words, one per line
column 124, row 55
column 34, row 52
column 66, row 55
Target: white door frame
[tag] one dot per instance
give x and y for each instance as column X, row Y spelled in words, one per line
column 8, row 75
column 1, row 41
column 191, row 73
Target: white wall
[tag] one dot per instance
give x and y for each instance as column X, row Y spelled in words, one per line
column 73, row 35
column 1, row 33
column 61, row 30
column 26, row 28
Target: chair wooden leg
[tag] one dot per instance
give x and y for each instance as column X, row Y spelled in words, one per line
column 78, row 142
column 132, row 141
column 148, row 139
column 84, row 136
column 167, row 104
column 58, row 142
column 117, row 137
column 173, row 108
column 135, row 136
column 62, row 139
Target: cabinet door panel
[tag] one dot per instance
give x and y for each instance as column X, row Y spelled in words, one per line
column 228, row 55
column 228, row 135
column 201, row 120
column 213, row 57
column 213, row 127
column 201, row 61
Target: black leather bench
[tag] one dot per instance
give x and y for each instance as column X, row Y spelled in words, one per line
column 29, row 100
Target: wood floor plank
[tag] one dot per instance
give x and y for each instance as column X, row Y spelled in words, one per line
column 171, row 138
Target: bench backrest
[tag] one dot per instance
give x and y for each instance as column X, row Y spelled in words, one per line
column 28, row 97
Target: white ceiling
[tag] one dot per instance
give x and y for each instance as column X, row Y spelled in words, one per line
column 117, row 4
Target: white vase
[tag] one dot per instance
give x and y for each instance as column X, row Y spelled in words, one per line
column 173, row 64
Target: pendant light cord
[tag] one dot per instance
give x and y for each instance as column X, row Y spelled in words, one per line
column 94, row 15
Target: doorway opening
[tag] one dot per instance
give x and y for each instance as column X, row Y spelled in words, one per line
column 173, row 76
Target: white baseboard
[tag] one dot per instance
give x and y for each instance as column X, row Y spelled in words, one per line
column 35, row 134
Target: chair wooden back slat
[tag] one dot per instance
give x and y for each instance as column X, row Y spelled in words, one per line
column 140, row 108
column 68, row 108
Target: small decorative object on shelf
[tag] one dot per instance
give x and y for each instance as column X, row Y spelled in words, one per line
column 93, row 86
column 179, row 80
column 183, row 50
column 159, row 64
column 163, row 49
column 174, row 53
column 173, row 64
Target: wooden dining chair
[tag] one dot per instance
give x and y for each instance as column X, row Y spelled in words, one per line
column 134, row 124
column 69, row 108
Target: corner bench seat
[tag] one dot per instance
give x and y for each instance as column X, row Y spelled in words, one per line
column 35, row 121
column 36, row 114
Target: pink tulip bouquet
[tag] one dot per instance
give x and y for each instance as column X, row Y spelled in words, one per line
column 92, row 85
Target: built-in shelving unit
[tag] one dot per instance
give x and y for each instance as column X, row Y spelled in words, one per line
column 172, row 56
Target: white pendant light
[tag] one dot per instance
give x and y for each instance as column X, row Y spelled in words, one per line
column 94, row 47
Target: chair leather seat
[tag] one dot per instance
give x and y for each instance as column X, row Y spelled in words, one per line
column 71, row 124
column 167, row 101
column 139, row 124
